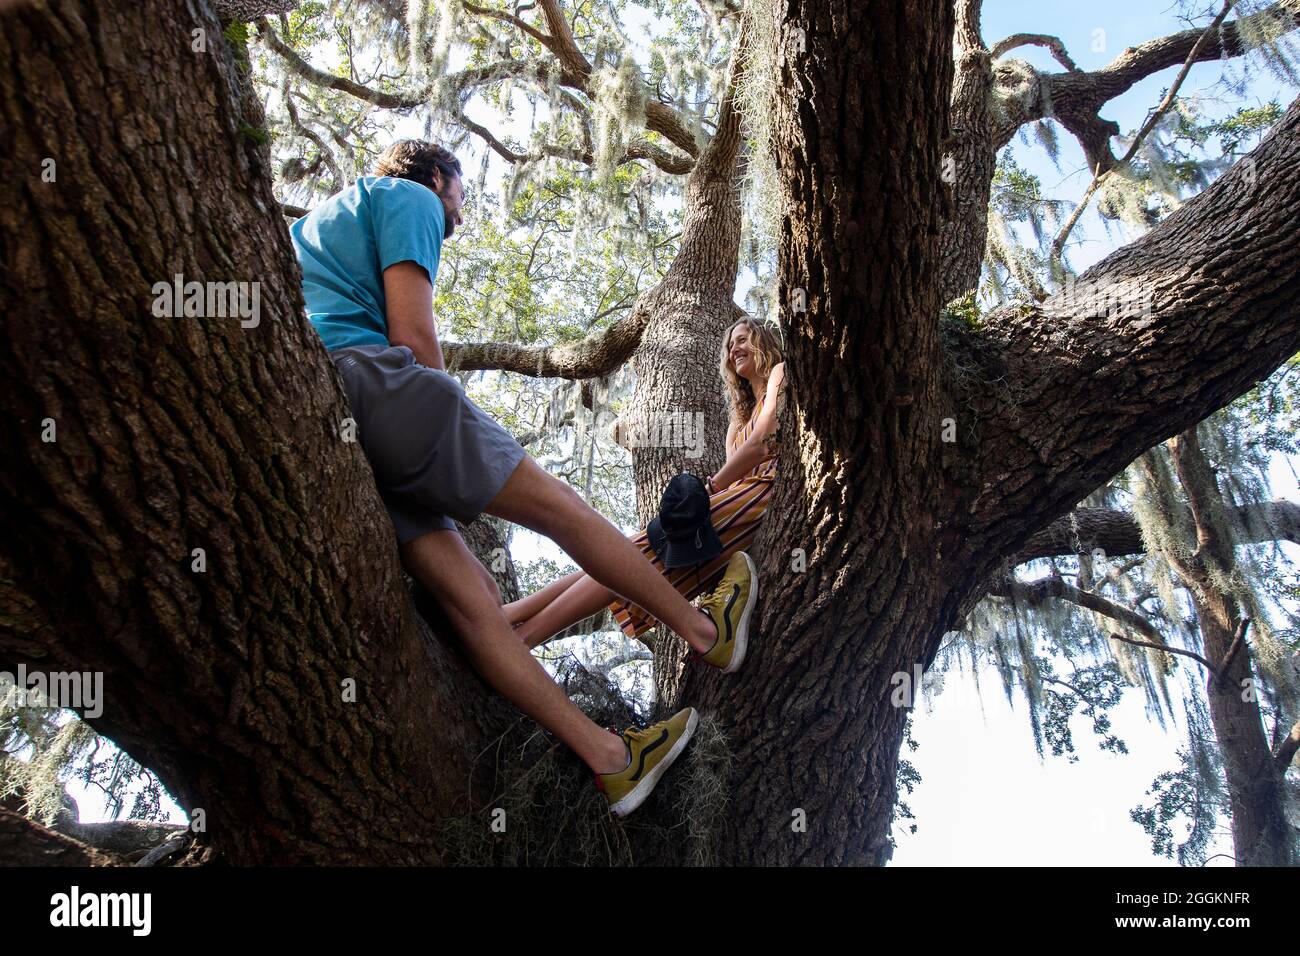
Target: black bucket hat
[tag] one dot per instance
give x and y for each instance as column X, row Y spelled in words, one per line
column 683, row 533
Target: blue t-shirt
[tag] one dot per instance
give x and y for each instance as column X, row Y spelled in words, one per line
column 347, row 242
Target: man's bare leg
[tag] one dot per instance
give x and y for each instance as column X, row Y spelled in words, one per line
column 545, row 504
column 443, row 564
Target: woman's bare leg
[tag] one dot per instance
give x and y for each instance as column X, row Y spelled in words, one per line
column 576, row 603
column 519, row 611
column 543, row 503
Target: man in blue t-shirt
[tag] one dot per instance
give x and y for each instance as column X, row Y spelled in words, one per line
column 369, row 258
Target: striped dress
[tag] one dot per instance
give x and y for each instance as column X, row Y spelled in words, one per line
column 736, row 511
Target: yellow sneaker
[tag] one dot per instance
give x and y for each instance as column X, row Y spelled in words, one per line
column 653, row 751
column 730, row 605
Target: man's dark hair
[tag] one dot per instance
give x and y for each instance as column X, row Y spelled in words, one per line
column 416, row 159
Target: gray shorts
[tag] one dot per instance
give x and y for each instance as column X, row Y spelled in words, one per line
column 435, row 454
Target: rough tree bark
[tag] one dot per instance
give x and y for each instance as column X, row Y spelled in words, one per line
column 860, row 484
column 179, row 433
column 970, row 158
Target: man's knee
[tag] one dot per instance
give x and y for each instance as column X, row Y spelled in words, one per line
column 445, row 565
column 473, row 602
column 538, row 500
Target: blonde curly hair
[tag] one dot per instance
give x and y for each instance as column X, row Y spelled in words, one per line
column 767, row 355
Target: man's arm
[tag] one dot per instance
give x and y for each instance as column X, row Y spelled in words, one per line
column 408, row 297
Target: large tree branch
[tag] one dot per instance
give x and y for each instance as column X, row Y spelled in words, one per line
column 1052, row 43
column 967, row 29
column 1102, row 169
column 1117, row 533
column 1147, row 343
column 600, row 353
column 969, row 160
column 1203, row 499
column 1036, row 593
column 458, row 83
column 1141, row 61
column 575, row 73
column 295, row 63
column 1075, row 97
column 659, row 117
column 118, row 836
column 24, row 842
column 1172, row 650
column 721, row 149
column 562, row 43
column 518, row 22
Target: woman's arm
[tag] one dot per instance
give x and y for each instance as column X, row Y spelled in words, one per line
column 751, row 451
column 733, row 429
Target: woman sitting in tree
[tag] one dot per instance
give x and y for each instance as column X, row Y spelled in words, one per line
column 751, row 367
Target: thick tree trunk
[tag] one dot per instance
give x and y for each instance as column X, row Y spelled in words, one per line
column 969, row 159
column 678, row 408
column 1261, row 835
column 676, row 363
column 897, row 536
column 851, row 592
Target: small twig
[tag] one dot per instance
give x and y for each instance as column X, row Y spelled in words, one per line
column 1172, row 650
